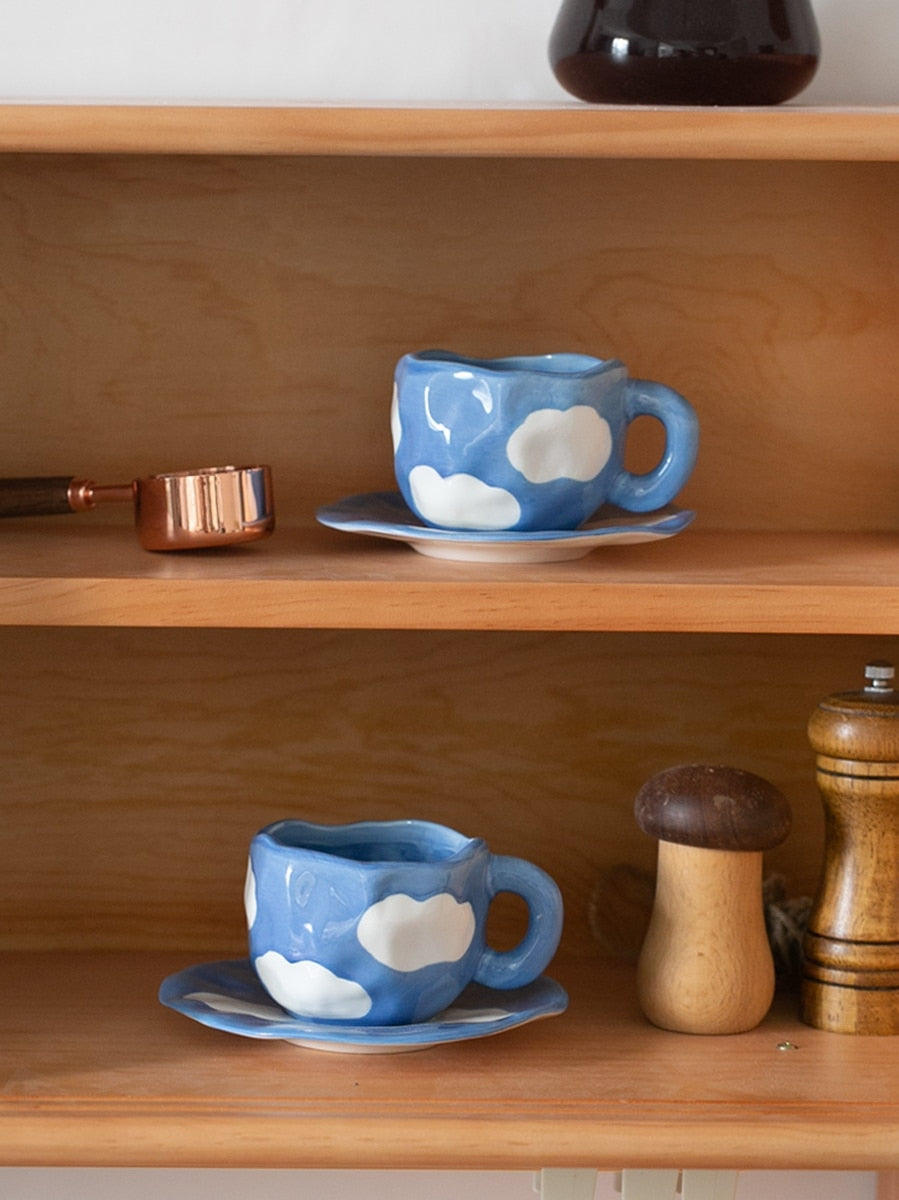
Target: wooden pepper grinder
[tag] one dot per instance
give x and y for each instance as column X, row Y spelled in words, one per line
column 706, row 964
column 851, row 947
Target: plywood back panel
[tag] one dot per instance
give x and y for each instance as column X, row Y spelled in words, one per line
column 161, row 313
column 137, row 764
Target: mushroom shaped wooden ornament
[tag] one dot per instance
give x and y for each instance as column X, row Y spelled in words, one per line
column 706, row 964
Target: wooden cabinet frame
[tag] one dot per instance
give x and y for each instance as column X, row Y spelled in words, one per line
column 183, row 286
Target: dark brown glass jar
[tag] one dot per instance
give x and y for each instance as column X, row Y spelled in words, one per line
column 684, row 51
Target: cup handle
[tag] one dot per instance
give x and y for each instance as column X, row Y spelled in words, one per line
column 643, row 493
column 524, row 962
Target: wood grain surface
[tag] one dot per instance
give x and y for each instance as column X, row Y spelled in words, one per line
column 506, row 130
column 208, row 287
column 138, row 763
column 136, row 1084
column 171, row 313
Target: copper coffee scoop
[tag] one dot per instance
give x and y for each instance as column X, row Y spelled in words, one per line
column 183, row 510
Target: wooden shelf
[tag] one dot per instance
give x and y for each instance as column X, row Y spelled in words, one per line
column 108, row 1076
column 72, row 572
column 170, row 308
column 551, row 131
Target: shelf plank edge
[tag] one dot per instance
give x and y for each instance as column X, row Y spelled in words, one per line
column 552, row 131
column 391, row 604
column 604, row 1141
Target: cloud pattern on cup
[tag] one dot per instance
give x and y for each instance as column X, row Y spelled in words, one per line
column 462, row 501
column 552, row 443
column 398, row 931
column 549, row 445
column 311, row 990
column 406, row 934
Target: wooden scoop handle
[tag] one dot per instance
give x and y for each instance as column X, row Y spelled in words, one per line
column 35, row 496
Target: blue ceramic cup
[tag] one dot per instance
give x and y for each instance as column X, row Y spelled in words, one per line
column 529, row 443
column 383, row 922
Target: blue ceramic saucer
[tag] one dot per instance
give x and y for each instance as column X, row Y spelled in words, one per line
column 386, row 515
column 228, row 996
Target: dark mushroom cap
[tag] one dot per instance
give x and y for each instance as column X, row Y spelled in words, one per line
column 718, row 808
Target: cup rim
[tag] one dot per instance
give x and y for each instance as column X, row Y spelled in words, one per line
column 564, row 364
column 326, row 840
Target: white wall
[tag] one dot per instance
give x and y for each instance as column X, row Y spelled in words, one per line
column 373, row 51
column 368, row 50
column 91, row 1184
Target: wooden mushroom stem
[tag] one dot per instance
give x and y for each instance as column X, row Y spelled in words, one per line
column 706, row 964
